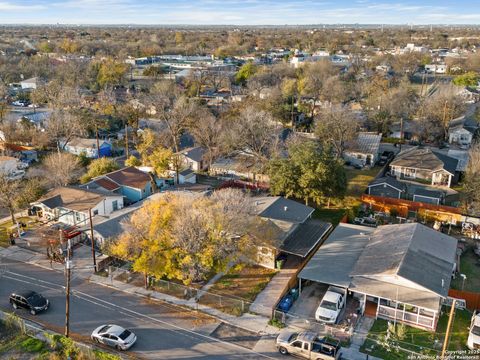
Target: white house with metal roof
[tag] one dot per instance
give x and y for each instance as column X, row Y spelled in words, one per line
column 364, row 150
column 400, row 271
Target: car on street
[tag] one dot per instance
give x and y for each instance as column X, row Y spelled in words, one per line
column 29, row 300
column 308, row 345
column 331, row 305
column 114, row 336
column 473, row 341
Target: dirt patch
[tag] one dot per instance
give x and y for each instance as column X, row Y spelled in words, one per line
column 242, row 337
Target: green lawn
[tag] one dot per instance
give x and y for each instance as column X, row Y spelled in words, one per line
column 358, row 180
column 417, row 340
column 469, row 267
column 332, row 216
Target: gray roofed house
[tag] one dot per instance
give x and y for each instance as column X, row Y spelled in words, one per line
column 280, row 208
column 408, row 263
column 425, row 165
column 194, row 158
column 303, row 239
column 387, row 186
column 336, row 258
column 428, row 196
column 364, row 150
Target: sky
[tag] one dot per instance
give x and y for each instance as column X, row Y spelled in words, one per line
column 239, row 12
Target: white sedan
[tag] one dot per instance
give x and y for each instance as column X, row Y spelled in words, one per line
column 114, row 336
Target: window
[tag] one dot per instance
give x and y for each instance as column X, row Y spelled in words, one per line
column 305, row 346
column 409, row 173
column 115, row 205
column 297, row 344
column 95, row 212
column 78, row 217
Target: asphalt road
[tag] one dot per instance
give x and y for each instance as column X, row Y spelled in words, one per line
column 164, row 331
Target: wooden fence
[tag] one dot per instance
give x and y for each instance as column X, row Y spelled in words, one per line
column 472, row 298
column 403, row 207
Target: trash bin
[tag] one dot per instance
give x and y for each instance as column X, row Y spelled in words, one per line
column 294, row 293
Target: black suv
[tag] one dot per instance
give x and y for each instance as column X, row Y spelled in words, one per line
column 29, row 300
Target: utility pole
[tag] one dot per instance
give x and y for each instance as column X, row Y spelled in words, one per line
column 92, row 241
column 68, row 265
column 126, row 140
column 98, row 141
column 447, row 334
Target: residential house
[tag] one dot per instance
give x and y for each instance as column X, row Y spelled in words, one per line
column 462, row 131
column 363, row 150
column 425, row 166
column 294, row 232
column 71, row 205
column 387, row 186
column 400, row 271
column 130, row 182
column 238, row 166
column 435, row 197
column 30, row 84
column 193, row 158
column 187, row 176
column 88, row 147
column 24, row 153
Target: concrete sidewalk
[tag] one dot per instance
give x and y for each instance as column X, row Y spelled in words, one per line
column 250, row 322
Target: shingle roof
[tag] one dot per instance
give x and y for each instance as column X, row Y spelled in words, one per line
column 106, row 184
column 436, row 194
column 196, row 153
column 305, row 237
column 334, row 261
column 390, row 181
column 425, row 158
column 129, row 176
column 73, row 198
column 412, row 251
column 280, row 208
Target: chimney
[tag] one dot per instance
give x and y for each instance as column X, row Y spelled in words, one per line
column 285, row 208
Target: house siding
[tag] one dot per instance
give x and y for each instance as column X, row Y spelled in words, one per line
column 384, row 190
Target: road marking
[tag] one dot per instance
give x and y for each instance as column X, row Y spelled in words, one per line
column 134, row 314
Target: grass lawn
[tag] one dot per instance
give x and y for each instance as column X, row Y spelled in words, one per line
column 417, row 340
column 5, row 229
column 332, row 216
column 240, row 283
column 358, row 180
column 469, row 267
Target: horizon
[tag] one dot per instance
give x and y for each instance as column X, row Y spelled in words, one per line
column 239, row 13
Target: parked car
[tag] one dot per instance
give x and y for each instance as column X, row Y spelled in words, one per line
column 286, row 303
column 385, row 157
column 366, row 221
column 114, row 336
column 308, row 345
column 473, row 341
column 331, row 305
column 29, row 300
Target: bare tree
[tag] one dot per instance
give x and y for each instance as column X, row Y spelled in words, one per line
column 61, row 169
column 471, row 183
column 10, row 191
column 207, row 131
column 335, row 127
column 63, row 126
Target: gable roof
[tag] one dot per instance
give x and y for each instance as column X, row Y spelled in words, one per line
column 86, row 143
column 391, row 181
column 434, row 194
column 425, row 158
column 195, row 153
column 73, row 198
column 106, row 183
column 129, row 176
column 408, row 250
column 282, row 209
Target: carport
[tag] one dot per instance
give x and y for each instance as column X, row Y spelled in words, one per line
column 334, row 261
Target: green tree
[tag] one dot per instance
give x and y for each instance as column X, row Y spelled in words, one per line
column 245, row 72
column 99, row 167
column 469, row 79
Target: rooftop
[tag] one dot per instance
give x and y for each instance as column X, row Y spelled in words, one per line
column 366, row 143
column 282, row 209
column 128, row 176
column 425, row 158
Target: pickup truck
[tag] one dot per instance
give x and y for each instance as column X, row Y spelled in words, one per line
column 308, row 345
column 331, row 305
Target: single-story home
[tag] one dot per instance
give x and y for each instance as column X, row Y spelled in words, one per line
column 88, row 147
column 238, row 166
column 364, row 150
column 387, row 186
column 461, row 131
column 296, row 233
column 71, row 205
column 400, row 271
column 193, row 158
column 26, row 153
column 130, row 182
column 425, row 165
column 187, row 176
column 31, row 83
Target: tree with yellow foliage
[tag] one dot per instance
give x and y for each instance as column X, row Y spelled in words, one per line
column 185, row 237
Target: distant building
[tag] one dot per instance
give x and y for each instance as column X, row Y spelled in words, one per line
column 364, row 149
column 88, row 147
column 30, row 84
